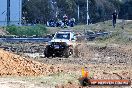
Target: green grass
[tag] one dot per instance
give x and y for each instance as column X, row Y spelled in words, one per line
column 38, row 30
column 119, row 35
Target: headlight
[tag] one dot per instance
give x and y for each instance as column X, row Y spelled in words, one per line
column 48, row 43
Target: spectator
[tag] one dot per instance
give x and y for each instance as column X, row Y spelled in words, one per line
column 65, row 19
column 114, row 17
column 72, row 22
column 58, row 23
column 52, row 23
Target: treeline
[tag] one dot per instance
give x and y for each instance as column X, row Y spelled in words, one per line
column 41, row 11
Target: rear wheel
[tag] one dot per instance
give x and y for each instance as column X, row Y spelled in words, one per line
column 46, row 52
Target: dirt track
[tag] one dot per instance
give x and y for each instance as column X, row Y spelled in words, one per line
column 100, row 61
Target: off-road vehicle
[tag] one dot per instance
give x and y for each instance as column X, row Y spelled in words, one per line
column 61, row 45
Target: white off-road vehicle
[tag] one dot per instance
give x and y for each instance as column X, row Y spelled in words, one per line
column 61, row 45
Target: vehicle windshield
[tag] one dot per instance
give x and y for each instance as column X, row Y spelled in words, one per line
column 62, row 36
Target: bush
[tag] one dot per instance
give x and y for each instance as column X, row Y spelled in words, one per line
column 38, row 30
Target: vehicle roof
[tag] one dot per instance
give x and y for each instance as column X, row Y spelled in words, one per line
column 66, row 31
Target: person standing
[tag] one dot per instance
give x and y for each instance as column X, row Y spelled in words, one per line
column 65, row 19
column 114, row 17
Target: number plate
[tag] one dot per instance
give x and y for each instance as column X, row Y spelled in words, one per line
column 56, row 46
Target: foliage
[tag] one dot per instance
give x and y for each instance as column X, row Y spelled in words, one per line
column 38, row 30
column 41, row 11
column 126, row 9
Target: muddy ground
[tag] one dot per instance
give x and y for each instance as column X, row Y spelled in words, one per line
column 110, row 61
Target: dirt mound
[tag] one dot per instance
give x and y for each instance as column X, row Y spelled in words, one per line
column 11, row 64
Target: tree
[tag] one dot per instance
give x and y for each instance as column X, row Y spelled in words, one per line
column 41, row 11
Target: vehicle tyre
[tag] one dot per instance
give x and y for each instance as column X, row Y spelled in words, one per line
column 46, row 52
column 66, row 53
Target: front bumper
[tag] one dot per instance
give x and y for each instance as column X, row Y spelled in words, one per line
column 57, row 47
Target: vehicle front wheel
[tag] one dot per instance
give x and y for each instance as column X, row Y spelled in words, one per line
column 46, row 52
column 66, row 53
